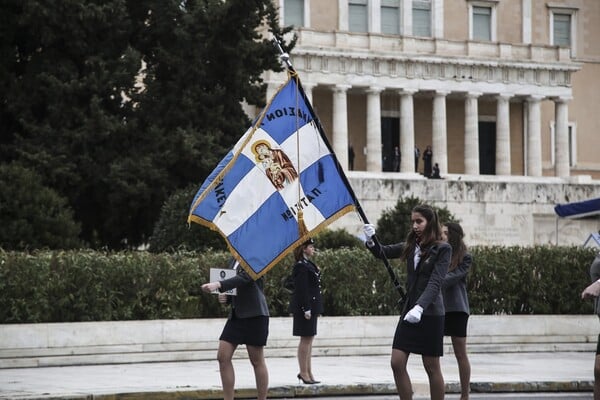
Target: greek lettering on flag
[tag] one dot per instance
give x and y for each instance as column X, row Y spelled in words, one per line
column 279, row 184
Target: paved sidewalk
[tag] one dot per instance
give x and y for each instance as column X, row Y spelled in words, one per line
column 505, row 372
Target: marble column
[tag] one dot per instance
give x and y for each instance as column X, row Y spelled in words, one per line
column 308, row 89
column 271, row 90
column 339, row 132
column 561, row 138
column 471, row 134
column 534, row 136
column 503, row 134
column 407, row 131
column 439, row 132
column 374, row 162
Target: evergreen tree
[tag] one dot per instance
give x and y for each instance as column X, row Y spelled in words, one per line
column 73, row 108
column 394, row 224
column 32, row 215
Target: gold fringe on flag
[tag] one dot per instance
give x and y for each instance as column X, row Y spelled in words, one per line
column 302, row 231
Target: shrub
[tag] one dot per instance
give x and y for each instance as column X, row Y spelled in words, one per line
column 69, row 286
column 335, row 239
column 172, row 231
column 394, row 224
column 33, row 216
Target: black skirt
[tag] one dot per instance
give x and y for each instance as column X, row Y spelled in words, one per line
column 425, row 337
column 303, row 326
column 456, row 324
column 250, row 331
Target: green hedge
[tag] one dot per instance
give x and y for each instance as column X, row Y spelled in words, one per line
column 66, row 286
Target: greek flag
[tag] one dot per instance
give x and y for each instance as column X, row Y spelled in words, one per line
column 280, row 184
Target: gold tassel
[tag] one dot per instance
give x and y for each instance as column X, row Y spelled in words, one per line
column 302, row 231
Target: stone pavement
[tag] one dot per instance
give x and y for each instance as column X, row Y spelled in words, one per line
column 340, row 375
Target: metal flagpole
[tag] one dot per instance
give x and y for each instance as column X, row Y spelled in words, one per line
column 285, row 57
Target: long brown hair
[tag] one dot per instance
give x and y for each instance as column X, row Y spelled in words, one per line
column 431, row 234
column 299, row 251
column 455, row 239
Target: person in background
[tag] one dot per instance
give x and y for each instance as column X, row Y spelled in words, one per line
column 417, row 155
column 420, row 329
column 456, row 302
column 248, row 323
column 592, row 291
column 397, row 159
column 306, row 305
column 436, row 172
column 427, row 158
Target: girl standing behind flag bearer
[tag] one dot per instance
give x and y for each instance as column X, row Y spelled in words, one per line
column 306, row 305
column 456, row 302
column 248, row 323
column 420, row 329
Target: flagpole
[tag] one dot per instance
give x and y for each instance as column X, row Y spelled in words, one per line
column 285, row 57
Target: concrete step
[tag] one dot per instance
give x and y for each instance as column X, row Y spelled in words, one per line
column 92, row 343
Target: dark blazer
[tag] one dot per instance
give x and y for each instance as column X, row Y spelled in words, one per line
column 454, row 288
column 595, row 275
column 250, row 300
column 423, row 285
column 307, row 292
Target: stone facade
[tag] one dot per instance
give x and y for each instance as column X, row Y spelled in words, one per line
column 512, row 104
column 514, row 211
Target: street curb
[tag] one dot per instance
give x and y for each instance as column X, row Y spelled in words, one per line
column 333, row 390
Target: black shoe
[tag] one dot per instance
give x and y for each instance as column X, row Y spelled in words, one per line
column 306, row 382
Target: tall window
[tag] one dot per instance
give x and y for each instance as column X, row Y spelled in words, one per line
column 358, row 16
column 482, row 20
column 293, row 12
column 563, row 27
column 421, row 14
column 390, row 17
column 562, row 30
column 482, row 23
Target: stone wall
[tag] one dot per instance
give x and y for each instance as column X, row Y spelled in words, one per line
column 117, row 342
column 511, row 211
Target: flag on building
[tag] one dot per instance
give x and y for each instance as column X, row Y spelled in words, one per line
column 280, row 184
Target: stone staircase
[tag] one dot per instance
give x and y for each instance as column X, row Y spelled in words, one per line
column 87, row 343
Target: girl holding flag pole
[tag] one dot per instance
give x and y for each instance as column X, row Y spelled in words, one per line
column 420, row 329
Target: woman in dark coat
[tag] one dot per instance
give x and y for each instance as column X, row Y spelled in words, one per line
column 456, row 302
column 421, row 326
column 427, row 159
column 248, row 323
column 305, row 306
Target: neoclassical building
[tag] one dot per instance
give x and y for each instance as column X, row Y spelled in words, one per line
column 495, row 87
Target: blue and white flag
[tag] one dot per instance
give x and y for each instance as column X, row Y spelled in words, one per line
column 277, row 186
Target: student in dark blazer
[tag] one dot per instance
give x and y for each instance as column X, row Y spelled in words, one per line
column 248, row 323
column 305, row 306
column 421, row 326
column 592, row 291
column 456, row 302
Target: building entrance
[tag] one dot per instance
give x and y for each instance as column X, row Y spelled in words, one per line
column 390, row 138
column 487, row 148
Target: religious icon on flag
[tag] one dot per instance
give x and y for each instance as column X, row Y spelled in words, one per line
column 280, row 184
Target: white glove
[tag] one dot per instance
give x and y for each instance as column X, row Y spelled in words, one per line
column 414, row 315
column 307, row 314
column 369, row 230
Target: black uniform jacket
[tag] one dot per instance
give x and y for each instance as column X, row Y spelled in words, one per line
column 424, row 284
column 250, row 300
column 307, row 292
